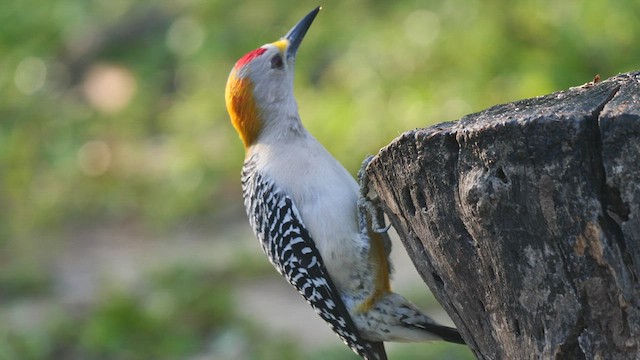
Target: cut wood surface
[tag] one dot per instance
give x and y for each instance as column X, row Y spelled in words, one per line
column 524, row 221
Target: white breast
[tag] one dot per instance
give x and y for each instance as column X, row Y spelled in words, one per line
column 326, row 196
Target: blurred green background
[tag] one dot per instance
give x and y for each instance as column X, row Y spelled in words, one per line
column 122, row 232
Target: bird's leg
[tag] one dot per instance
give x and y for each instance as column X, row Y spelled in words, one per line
column 369, row 206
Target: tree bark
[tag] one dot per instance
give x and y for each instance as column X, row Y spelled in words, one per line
column 524, row 221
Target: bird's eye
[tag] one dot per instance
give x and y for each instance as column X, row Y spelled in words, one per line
column 276, row 62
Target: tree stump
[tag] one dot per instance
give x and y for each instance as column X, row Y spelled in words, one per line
column 524, row 221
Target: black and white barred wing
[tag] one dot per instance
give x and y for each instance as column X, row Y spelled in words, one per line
column 279, row 227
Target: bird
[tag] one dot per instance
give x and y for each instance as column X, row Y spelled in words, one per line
column 314, row 221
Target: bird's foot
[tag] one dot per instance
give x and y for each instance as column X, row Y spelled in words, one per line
column 369, row 206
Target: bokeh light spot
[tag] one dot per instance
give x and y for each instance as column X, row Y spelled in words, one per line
column 30, row 75
column 94, row 158
column 422, row 27
column 185, row 36
column 109, row 88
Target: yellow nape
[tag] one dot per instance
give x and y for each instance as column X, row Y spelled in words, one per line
column 242, row 108
column 281, row 44
column 382, row 285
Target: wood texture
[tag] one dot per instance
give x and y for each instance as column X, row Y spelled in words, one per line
column 524, row 221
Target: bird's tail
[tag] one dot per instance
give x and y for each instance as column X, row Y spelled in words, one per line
column 445, row 333
column 394, row 318
column 411, row 316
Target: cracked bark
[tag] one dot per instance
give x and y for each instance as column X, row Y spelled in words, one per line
column 524, row 221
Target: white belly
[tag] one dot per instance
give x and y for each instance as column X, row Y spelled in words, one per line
column 326, row 196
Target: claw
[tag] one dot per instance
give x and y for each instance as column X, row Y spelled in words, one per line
column 382, row 230
column 368, row 206
column 363, row 180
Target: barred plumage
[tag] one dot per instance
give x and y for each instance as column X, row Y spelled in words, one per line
column 286, row 242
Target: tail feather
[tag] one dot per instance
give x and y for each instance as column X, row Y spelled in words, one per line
column 446, row 333
column 378, row 348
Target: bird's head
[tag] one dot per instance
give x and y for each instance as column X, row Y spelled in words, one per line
column 260, row 85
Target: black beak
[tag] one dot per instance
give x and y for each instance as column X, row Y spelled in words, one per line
column 296, row 34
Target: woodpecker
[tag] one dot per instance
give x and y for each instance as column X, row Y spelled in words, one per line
column 310, row 214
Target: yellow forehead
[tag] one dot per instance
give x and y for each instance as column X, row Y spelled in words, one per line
column 281, row 44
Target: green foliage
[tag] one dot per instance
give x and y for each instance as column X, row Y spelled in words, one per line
column 176, row 313
column 22, row 279
column 181, row 307
column 122, row 328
